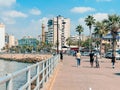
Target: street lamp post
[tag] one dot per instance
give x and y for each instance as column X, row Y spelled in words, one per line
column 57, row 36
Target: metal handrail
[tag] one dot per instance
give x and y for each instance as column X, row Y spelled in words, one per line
column 40, row 77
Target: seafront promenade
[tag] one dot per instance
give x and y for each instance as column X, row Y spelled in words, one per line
column 70, row 77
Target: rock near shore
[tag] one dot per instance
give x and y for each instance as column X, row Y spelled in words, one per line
column 27, row 58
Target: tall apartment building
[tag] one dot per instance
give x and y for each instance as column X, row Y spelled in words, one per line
column 63, row 26
column 46, row 37
column 11, row 40
column 43, row 33
column 76, row 37
column 2, row 36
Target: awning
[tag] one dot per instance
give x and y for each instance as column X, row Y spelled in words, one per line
column 109, row 36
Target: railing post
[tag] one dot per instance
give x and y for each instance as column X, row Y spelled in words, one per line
column 52, row 64
column 47, row 70
column 43, row 73
column 50, row 68
column 9, row 84
column 38, row 77
column 57, row 60
column 28, row 79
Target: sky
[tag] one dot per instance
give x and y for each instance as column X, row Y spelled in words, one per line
column 24, row 17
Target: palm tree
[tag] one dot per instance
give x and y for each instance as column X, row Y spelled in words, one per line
column 79, row 29
column 89, row 22
column 113, row 25
column 100, row 30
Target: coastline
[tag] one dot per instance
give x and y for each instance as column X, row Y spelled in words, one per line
column 25, row 58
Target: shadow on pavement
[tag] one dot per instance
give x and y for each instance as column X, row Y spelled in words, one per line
column 109, row 67
column 117, row 74
column 86, row 66
column 74, row 66
column 86, row 61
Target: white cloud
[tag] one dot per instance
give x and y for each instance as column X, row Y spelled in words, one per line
column 9, row 17
column 7, row 3
column 34, row 27
column 36, row 24
column 35, row 11
column 14, row 14
column 29, row 28
column 103, row 0
column 82, row 22
column 82, row 9
column 100, row 16
column 8, row 20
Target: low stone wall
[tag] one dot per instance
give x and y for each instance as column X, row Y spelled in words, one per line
column 29, row 58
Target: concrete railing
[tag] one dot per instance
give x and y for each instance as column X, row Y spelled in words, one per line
column 42, row 71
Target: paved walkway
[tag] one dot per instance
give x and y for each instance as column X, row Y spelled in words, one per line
column 70, row 77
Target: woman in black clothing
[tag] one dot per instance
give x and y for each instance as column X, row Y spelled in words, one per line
column 61, row 55
column 113, row 61
column 91, row 58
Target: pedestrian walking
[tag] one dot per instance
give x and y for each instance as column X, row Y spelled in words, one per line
column 78, row 58
column 91, row 58
column 113, row 61
column 96, row 61
column 61, row 55
column 74, row 53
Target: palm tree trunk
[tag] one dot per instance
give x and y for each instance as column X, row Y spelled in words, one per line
column 79, row 42
column 100, row 47
column 90, row 40
column 114, row 48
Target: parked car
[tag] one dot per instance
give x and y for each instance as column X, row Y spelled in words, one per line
column 85, row 53
column 117, row 56
column 109, row 55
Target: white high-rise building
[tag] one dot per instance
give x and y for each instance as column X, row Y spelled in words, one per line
column 11, row 40
column 63, row 30
column 2, row 36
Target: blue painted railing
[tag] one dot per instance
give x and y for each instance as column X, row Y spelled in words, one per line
column 42, row 71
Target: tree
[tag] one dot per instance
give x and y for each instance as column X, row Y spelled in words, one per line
column 69, row 41
column 89, row 22
column 86, row 43
column 24, row 48
column 38, row 48
column 79, row 29
column 100, row 30
column 6, row 48
column 113, row 23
